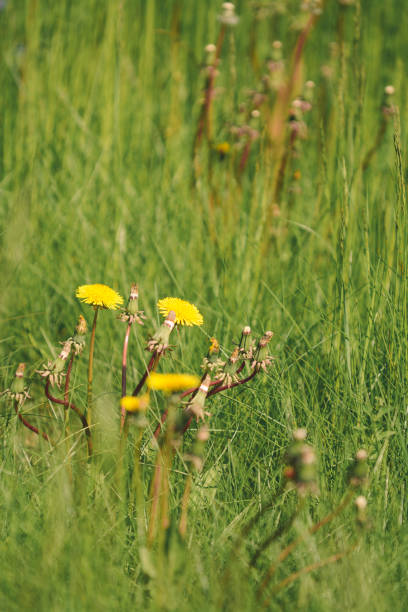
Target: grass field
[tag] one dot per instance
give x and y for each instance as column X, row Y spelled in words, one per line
column 262, row 179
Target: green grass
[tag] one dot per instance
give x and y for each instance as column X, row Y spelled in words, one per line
column 99, row 109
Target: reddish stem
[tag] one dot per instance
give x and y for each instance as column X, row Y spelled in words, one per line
column 154, row 360
column 28, row 425
column 235, row 384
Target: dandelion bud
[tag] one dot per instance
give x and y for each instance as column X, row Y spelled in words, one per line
column 358, row 472
column 300, row 434
column 262, row 358
column 228, row 16
column 131, row 314
column 18, row 390
column 212, row 363
column 159, row 343
column 301, row 464
column 81, row 327
column 78, row 339
column 203, row 433
column 361, row 502
column 196, row 405
column 361, row 506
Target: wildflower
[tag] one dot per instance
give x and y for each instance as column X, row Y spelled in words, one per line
column 262, row 359
column 186, row 313
column 78, row 339
column 300, row 467
column 196, row 405
column 172, row 383
column 131, row 314
column 212, row 362
column 228, row 16
column 159, row 343
column 18, row 391
column 222, row 148
column 135, row 404
column 229, row 375
column 53, row 370
column 210, row 48
column 246, row 345
column 361, row 506
column 389, row 90
column 358, row 473
column 99, row 296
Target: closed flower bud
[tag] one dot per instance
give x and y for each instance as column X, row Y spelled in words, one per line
column 159, row 343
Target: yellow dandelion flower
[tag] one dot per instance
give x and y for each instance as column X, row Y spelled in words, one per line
column 135, row 404
column 99, row 295
column 186, row 313
column 215, row 346
column 223, row 148
column 172, row 382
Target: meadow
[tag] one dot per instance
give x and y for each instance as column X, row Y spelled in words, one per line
column 250, row 160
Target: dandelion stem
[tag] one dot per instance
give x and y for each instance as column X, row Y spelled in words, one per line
column 278, row 532
column 184, row 506
column 82, row 417
column 155, row 489
column 66, row 392
column 286, row 551
column 154, row 360
column 90, row 368
column 28, row 425
column 306, row 570
column 124, row 367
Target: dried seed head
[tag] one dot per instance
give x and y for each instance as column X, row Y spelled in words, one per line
column 246, row 331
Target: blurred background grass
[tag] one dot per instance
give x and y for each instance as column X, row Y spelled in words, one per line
column 99, row 109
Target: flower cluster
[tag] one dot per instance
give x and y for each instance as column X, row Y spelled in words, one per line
column 300, row 470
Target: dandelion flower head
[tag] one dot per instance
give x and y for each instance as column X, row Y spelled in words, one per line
column 99, row 295
column 172, row 382
column 186, row 313
column 135, row 404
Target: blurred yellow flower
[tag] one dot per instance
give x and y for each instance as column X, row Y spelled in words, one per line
column 172, row 382
column 99, row 295
column 186, row 313
column 135, row 404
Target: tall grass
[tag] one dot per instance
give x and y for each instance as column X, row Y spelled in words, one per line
column 99, row 182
